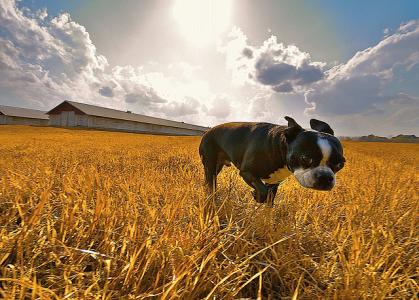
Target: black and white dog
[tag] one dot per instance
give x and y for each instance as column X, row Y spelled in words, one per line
column 267, row 153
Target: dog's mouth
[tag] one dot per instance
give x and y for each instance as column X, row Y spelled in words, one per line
column 320, row 187
column 319, row 178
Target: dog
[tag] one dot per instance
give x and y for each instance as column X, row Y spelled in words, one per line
column 266, row 154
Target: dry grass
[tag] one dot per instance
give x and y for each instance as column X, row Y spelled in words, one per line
column 86, row 214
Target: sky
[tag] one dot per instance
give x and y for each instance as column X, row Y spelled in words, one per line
column 353, row 64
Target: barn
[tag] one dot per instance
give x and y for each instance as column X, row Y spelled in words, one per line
column 75, row 114
column 10, row 115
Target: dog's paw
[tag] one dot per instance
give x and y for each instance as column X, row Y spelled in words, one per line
column 270, row 201
column 258, row 198
column 254, row 195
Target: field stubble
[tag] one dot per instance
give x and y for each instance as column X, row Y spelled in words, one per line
column 89, row 214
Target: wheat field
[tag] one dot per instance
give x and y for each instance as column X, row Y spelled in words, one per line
column 105, row 215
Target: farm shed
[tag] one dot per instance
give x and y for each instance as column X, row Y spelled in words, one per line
column 75, row 114
column 10, row 115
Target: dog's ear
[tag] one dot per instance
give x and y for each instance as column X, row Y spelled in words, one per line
column 292, row 130
column 321, row 126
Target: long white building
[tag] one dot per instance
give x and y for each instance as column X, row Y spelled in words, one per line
column 75, row 114
column 10, row 115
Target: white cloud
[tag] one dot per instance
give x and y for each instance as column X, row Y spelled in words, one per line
column 283, row 68
column 369, row 88
column 238, row 63
column 106, row 91
column 44, row 64
column 400, row 114
column 44, row 61
column 402, row 111
column 361, row 83
column 220, row 107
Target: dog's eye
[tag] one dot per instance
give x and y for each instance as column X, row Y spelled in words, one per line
column 339, row 166
column 306, row 161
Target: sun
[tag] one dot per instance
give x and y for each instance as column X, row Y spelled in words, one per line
column 202, row 21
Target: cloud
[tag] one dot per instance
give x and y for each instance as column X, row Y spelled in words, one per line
column 283, row 68
column 106, row 91
column 45, row 60
column 238, row 56
column 375, row 90
column 247, row 52
column 363, row 82
column 400, row 114
column 133, row 98
column 146, row 99
column 374, row 87
column 221, row 107
column 402, row 111
column 187, row 107
column 162, row 95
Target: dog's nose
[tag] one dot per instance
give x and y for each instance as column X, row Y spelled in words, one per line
column 324, row 181
column 325, row 178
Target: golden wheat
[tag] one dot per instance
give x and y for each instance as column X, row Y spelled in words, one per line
column 90, row 214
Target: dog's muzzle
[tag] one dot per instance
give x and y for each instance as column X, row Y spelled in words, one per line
column 319, row 178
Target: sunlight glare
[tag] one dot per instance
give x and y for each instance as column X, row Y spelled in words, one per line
column 202, row 21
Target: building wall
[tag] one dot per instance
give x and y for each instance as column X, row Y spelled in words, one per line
column 113, row 124
column 10, row 120
column 65, row 107
column 54, row 120
column 65, row 119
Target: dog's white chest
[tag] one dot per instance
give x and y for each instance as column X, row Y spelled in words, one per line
column 278, row 176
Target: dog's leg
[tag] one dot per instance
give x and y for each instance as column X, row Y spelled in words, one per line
column 208, row 153
column 272, row 189
column 212, row 167
column 209, row 207
column 260, row 189
column 210, row 176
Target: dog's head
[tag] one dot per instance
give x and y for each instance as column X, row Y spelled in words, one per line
column 314, row 157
